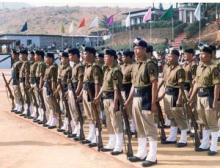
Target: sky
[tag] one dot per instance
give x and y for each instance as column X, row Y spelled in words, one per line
column 98, row 3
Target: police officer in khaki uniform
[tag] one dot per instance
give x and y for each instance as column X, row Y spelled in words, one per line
column 100, row 62
column 92, row 82
column 144, row 94
column 32, row 81
column 100, row 59
column 189, row 67
column 50, row 84
column 207, row 87
column 126, row 69
column 24, row 82
column 174, row 78
column 64, row 75
column 40, row 71
column 217, row 62
column 75, row 85
column 112, row 82
column 15, row 81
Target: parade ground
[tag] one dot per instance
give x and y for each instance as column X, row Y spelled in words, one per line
column 24, row 144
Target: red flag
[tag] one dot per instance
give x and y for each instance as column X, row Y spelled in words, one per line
column 82, row 23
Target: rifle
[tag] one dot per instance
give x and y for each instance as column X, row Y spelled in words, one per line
column 193, row 120
column 31, row 90
column 27, row 97
column 41, row 102
column 127, row 125
column 11, row 96
column 80, row 116
column 98, row 122
column 50, row 90
column 65, row 101
column 161, row 123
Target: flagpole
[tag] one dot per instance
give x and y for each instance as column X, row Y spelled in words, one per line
column 97, row 42
column 200, row 25
column 150, row 31
column 172, row 29
column 112, row 34
column 62, row 40
column 129, row 31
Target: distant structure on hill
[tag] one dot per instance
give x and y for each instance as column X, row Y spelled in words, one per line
column 47, row 42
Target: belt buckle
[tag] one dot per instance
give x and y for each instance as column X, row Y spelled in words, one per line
column 201, row 89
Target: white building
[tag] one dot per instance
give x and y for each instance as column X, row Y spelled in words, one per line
column 186, row 13
column 51, row 41
column 136, row 17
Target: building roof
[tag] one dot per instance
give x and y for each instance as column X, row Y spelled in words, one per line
column 143, row 10
column 6, row 41
column 44, row 35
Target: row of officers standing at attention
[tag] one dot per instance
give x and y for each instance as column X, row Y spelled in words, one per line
column 97, row 87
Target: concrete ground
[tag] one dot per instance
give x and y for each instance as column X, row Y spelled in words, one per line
column 24, row 144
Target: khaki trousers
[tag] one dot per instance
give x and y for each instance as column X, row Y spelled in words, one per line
column 17, row 94
column 207, row 115
column 72, row 106
column 144, row 121
column 113, row 119
column 129, row 108
column 26, row 97
column 51, row 106
column 175, row 114
column 87, row 107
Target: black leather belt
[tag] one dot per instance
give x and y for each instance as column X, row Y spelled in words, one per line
column 126, row 87
column 142, row 91
column 88, row 85
column 186, row 86
column 171, row 90
column 22, row 79
column 108, row 95
column 206, row 91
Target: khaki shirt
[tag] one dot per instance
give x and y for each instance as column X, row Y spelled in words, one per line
column 207, row 75
column 174, row 75
column 126, row 70
column 93, row 73
column 64, row 73
column 15, row 72
column 33, row 69
column 77, row 72
column 144, row 73
column 41, row 68
column 190, row 71
column 51, row 73
column 25, row 69
column 112, row 79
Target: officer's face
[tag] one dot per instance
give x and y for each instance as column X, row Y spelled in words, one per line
column 32, row 57
column 187, row 56
column 171, row 58
column 99, row 59
column 23, row 57
column 64, row 60
column 205, row 57
column 48, row 60
column 88, row 57
column 125, row 59
column 71, row 57
column 108, row 60
column 14, row 56
column 139, row 52
column 37, row 57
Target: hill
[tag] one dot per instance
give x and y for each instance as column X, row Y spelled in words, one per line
column 48, row 20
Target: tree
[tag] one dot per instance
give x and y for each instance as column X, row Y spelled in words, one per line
column 103, row 22
column 161, row 6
